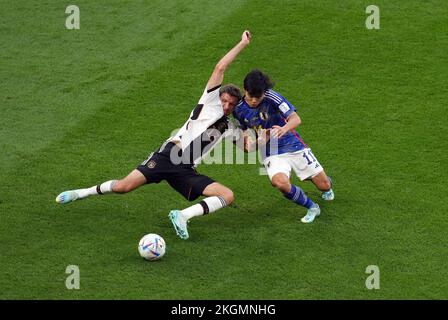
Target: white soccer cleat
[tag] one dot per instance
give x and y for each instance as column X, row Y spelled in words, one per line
column 311, row 214
column 67, row 196
column 179, row 224
column 328, row 195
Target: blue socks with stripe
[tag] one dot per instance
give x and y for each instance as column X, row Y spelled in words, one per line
column 298, row 196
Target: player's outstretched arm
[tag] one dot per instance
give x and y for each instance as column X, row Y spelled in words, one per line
column 218, row 73
column 292, row 122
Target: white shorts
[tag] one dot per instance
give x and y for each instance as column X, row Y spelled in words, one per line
column 303, row 162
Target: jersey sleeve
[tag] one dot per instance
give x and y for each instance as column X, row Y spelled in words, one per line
column 239, row 124
column 210, row 97
column 238, row 116
column 209, row 105
column 286, row 108
column 280, row 102
column 207, row 111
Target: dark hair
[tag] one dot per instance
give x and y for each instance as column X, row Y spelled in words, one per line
column 231, row 89
column 256, row 83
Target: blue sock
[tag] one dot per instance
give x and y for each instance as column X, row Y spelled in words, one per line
column 298, row 196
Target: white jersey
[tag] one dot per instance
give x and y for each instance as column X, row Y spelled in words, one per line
column 204, row 129
column 207, row 112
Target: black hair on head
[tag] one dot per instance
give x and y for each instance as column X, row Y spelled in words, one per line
column 256, row 83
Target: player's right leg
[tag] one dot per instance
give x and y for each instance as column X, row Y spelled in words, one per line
column 279, row 170
column 296, row 195
column 131, row 182
column 218, row 190
column 192, row 185
column 324, row 184
column 307, row 167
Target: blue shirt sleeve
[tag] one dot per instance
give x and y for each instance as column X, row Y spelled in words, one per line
column 238, row 116
column 286, row 108
column 280, row 103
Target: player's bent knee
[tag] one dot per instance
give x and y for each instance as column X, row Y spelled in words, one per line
column 228, row 196
column 326, row 185
column 131, row 182
column 280, row 182
column 216, row 189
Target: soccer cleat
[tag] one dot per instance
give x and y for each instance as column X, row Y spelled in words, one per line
column 67, row 196
column 328, row 195
column 312, row 213
column 179, row 223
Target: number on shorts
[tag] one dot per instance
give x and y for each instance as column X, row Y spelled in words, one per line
column 310, row 155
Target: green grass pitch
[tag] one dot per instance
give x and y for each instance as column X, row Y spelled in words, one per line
column 79, row 107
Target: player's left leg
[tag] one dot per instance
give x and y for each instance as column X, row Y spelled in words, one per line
column 191, row 187
column 217, row 195
column 279, row 169
column 132, row 181
column 296, row 194
column 324, row 184
column 307, row 167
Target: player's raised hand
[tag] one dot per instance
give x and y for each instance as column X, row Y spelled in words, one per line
column 246, row 37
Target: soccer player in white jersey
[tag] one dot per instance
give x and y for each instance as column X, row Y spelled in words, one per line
column 273, row 116
column 176, row 159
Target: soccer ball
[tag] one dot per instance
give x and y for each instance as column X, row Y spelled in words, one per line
column 152, row 247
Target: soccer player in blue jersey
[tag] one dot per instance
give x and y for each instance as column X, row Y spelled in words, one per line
column 275, row 118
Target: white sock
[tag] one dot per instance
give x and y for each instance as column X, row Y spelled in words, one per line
column 210, row 204
column 105, row 187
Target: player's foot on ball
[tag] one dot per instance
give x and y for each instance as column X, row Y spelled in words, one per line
column 328, row 195
column 67, row 196
column 179, row 223
column 312, row 213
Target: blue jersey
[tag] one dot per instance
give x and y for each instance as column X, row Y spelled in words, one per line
column 273, row 110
